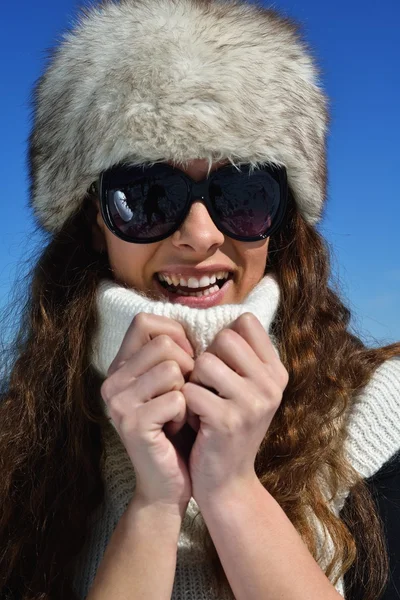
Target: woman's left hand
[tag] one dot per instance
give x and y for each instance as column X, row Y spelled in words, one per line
column 241, row 365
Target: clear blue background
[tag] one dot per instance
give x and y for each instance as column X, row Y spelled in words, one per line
column 358, row 49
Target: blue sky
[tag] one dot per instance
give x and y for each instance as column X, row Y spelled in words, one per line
column 357, row 46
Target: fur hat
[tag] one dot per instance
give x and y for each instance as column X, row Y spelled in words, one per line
column 144, row 81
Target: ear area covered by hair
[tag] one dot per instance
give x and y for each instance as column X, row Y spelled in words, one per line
column 94, row 218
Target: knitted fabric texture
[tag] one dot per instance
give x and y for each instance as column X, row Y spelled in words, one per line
column 373, row 430
column 117, row 306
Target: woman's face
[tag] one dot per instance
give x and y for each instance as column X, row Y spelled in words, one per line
column 197, row 244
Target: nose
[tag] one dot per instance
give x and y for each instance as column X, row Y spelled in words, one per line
column 198, row 232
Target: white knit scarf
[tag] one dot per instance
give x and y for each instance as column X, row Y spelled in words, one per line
column 117, row 305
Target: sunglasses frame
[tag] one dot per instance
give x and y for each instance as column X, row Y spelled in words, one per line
column 197, row 190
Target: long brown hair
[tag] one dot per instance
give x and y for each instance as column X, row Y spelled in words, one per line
column 51, row 438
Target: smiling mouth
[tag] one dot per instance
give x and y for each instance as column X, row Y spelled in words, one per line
column 190, row 291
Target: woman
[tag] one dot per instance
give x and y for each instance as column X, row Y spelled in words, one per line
column 156, row 443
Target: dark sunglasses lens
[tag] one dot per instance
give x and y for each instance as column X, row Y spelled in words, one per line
column 245, row 203
column 144, row 204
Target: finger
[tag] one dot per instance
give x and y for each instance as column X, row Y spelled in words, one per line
column 162, row 378
column 236, row 353
column 145, row 327
column 163, row 409
column 193, row 419
column 209, row 408
column 158, row 350
column 251, row 330
column 211, row 372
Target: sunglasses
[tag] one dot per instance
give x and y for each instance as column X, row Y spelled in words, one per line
column 145, row 204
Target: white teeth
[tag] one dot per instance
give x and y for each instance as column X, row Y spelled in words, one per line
column 206, row 280
column 193, row 282
column 175, row 279
column 212, row 290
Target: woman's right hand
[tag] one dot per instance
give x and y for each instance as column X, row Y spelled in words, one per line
column 142, row 393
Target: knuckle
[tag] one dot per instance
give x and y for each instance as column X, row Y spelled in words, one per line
column 283, row 376
column 140, row 320
column 164, row 343
column 275, row 396
column 117, row 410
column 247, row 322
column 247, row 318
column 225, row 336
column 171, row 369
column 177, row 397
column 232, row 423
column 259, row 409
column 107, row 389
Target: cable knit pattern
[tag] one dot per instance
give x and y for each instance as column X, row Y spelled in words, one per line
column 118, row 305
column 373, row 437
column 373, row 430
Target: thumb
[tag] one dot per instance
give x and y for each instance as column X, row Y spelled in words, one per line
column 193, row 420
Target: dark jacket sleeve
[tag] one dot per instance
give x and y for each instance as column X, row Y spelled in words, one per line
column 385, row 487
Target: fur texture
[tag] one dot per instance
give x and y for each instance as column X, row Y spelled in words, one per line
column 144, row 81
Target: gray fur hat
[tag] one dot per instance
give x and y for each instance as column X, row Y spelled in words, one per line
column 145, row 81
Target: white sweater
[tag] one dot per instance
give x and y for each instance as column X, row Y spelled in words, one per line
column 373, row 430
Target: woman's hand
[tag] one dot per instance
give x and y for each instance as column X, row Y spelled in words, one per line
column 144, row 399
column 243, row 368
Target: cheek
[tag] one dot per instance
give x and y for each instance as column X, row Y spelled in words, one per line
column 127, row 261
column 254, row 257
column 117, row 251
